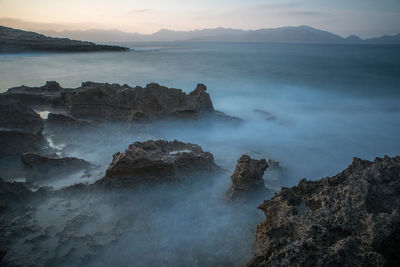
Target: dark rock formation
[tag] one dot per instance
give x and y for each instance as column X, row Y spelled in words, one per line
column 64, row 120
column 20, row 129
column 50, row 167
column 21, row 118
column 11, row 193
column 46, row 97
column 114, row 102
column 351, row 219
column 153, row 162
column 15, row 142
column 13, row 40
column 247, row 180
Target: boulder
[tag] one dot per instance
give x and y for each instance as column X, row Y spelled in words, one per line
column 247, row 180
column 351, row 219
column 153, row 162
column 51, row 167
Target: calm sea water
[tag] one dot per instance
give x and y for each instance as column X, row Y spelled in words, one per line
column 331, row 102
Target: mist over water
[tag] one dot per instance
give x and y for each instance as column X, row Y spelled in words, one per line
column 327, row 104
column 331, row 102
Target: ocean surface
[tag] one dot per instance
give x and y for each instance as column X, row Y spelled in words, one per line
column 328, row 103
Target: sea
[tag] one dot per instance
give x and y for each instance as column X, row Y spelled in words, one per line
column 321, row 104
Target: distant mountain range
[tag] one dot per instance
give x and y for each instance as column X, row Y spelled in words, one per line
column 297, row 34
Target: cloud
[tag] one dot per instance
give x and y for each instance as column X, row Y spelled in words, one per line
column 290, row 9
column 308, row 13
column 138, row 11
column 278, row 6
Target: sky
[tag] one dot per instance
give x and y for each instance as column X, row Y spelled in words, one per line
column 365, row 18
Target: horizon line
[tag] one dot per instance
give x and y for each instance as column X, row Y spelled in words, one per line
column 219, row 27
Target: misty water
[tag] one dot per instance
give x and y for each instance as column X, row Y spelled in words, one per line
column 325, row 103
column 331, row 102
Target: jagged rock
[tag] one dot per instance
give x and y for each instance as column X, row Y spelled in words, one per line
column 20, row 129
column 351, row 219
column 247, row 180
column 51, row 167
column 46, row 97
column 115, row 102
column 18, row 117
column 156, row 161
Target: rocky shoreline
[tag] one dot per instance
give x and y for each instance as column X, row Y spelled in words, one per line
column 13, row 40
column 350, row 219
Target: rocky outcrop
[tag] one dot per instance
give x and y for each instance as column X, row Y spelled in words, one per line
column 247, row 180
column 15, row 142
column 20, row 129
column 158, row 161
column 41, row 167
column 114, row 102
column 13, row 40
column 46, row 97
column 351, row 219
column 103, row 101
column 18, row 117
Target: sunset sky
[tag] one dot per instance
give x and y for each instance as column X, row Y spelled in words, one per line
column 366, row 18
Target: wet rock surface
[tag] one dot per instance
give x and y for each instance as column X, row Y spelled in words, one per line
column 42, row 167
column 152, row 162
column 11, row 193
column 46, row 97
column 247, row 180
column 13, row 40
column 18, row 117
column 20, row 129
column 15, row 142
column 57, row 120
column 114, row 102
column 350, row 219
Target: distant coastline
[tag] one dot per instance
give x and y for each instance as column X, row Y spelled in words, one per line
column 14, row 40
column 293, row 34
